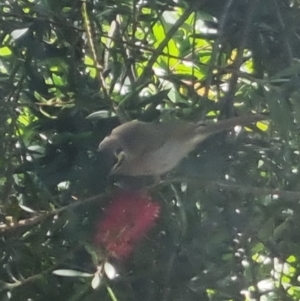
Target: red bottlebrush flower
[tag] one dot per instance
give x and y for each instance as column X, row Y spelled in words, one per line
column 127, row 219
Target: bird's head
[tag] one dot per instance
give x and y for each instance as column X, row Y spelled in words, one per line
column 114, row 152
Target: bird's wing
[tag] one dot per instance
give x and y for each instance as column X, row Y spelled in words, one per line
column 148, row 136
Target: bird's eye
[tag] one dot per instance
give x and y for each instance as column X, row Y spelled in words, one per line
column 119, row 156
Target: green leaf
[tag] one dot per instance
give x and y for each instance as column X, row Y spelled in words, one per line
column 71, row 273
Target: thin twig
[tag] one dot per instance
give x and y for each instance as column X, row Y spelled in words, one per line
column 215, row 49
column 282, row 26
column 45, row 19
column 98, row 66
column 38, row 219
column 163, row 44
column 5, row 286
column 227, row 101
column 254, row 190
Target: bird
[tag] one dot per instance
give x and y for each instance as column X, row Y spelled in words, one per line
column 155, row 148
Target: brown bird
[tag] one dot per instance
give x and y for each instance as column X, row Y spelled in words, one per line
column 152, row 149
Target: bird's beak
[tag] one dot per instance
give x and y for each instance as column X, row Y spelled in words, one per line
column 120, row 157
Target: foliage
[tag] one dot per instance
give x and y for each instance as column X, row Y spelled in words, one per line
column 70, row 71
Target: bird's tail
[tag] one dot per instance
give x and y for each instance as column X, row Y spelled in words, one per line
column 223, row 125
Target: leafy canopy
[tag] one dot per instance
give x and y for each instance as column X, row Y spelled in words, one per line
column 229, row 221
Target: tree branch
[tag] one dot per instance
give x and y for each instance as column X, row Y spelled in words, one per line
column 38, row 219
